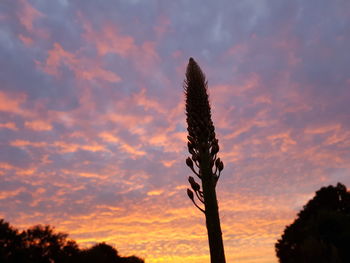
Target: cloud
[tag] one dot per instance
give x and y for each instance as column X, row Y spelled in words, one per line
column 109, row 40
column 83, row 68
column 12, row 103
column 28, row 14
column 38, row 125
column 9, row 125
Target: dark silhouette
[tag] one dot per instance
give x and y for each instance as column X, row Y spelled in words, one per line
column 41, row 244
column 99, row 253
column 321, row 232
column 204, row 163
column 11, row 243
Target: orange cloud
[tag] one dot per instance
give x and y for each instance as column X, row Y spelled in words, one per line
column 109, row 137
column 147, row 103
column 24, row 143
column 92, row 175
column 168, row 163
column 38, row 125
column 169, row 140
column 73, row 147
column 29, row 171
column 134, row 151
column 6, row 194
column 9, row 125
column 155, row 192
column 6, row 166
column 12, row 103
column 17, row 170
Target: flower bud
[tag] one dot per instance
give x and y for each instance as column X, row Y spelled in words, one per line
column 195, row 186
column 189, row 162
column 221, row 166
column 214, row 149
column 212, row 135
column 190, row 194
column 190, row 147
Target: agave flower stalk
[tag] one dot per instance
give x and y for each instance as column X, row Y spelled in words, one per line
column 204, row 162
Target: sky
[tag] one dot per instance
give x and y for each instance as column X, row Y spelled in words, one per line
column 92, row 118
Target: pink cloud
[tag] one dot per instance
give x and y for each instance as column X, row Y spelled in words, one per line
column 84, row 68
column 38, row 125
column 323, row 128
column 28, row 14
column 162, row 26
column 99, row 73
column 27, row 41
column 67, row 147
column 141, row 99
column 11, row 103
column 108, row 40
column 133, row 151
column 25, row 143
column 9, row 125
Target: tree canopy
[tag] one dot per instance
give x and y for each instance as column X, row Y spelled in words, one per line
column 42, row 244
column 321, row 231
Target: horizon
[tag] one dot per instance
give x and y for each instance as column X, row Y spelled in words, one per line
column 93, row 126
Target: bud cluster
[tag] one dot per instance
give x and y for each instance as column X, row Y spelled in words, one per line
column 201, row 132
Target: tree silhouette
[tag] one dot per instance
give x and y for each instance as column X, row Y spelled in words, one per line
column 101, row 252
column 321, row 232
column 204, row 163
column 41, row 244
column 11, row 245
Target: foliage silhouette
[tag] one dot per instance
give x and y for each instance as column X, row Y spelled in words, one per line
column 11, row 243
column 321, row 232
column 41, row 244
column 204, row 163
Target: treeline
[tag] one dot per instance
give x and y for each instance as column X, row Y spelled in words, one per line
column 41, row 244
column 321, row 231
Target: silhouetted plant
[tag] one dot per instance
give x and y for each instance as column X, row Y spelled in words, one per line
column 41, row 244
column 11, row 244
column 101, row 253
column 321, row 232
column 204, row 163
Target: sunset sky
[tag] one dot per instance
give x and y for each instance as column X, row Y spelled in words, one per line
column 92, row 119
